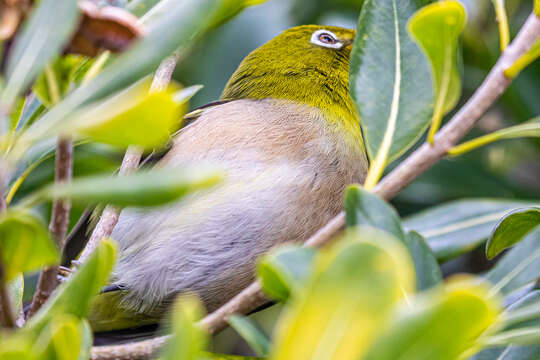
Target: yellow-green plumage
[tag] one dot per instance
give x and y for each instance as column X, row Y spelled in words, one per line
column 289, row 140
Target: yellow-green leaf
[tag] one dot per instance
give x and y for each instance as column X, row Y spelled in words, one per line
column 441, row 324
column 188, row 339
column 133, row 117
column 436, row 27
column 349, row 299
column 60, row 339
column 25, row 243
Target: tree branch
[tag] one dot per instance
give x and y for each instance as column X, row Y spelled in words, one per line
column 416, row 164
column 130, row 163
column 58, row 227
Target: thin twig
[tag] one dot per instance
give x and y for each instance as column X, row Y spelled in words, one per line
column 416, row 164
column 130, row 163
column 58, row 227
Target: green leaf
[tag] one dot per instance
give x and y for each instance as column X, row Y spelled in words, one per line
column 347, row 301
column 364, row 208
column 436, row 27
column 441, row 324
column 521, row 336
column 530, row 128
column 144, row 188
column 73, row 297
column 457, row 227
column 390, row 82
column 284, row 270
column 428, row 272
column 255, row 338
column 188, row 339
column 519, row 266
column 133, row 117
column 60, row 339
column 25, row 243
column 511, row 229
column 42, row 39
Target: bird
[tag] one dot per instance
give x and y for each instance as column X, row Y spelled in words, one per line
column 287, row 134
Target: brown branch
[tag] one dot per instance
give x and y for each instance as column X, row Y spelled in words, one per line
column 130, row 163
column 416, row 164
column 58, row 227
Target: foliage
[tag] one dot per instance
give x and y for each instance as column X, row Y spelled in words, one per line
column 383, row 289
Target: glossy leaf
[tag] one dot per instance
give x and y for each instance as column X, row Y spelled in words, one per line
column 441, row 324
column 188, row 339
column 284, row 270
column 25, row 243
column 365, row 208
column 460, row 226
column 519, row 266
column 73, row 297
column 387, row 71
column 144, row 188
column 357, row 282
column 436, row 27
column 511, row 229
column 42, row 39
column 254, row 337
column 528, row 129
column 428, row 272
column 180, row 26
column 133, row 117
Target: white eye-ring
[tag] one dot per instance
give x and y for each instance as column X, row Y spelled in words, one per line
column 326, row 38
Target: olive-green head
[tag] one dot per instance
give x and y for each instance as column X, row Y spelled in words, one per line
column 307, row 64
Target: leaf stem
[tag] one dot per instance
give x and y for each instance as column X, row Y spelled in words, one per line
column 523, row 61
column 502, row 19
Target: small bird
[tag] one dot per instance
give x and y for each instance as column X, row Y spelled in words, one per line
column 287, row 134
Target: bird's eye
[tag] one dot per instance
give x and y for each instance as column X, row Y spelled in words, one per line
column 326, row 39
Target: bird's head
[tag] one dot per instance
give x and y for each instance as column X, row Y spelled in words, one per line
column 307, row 64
